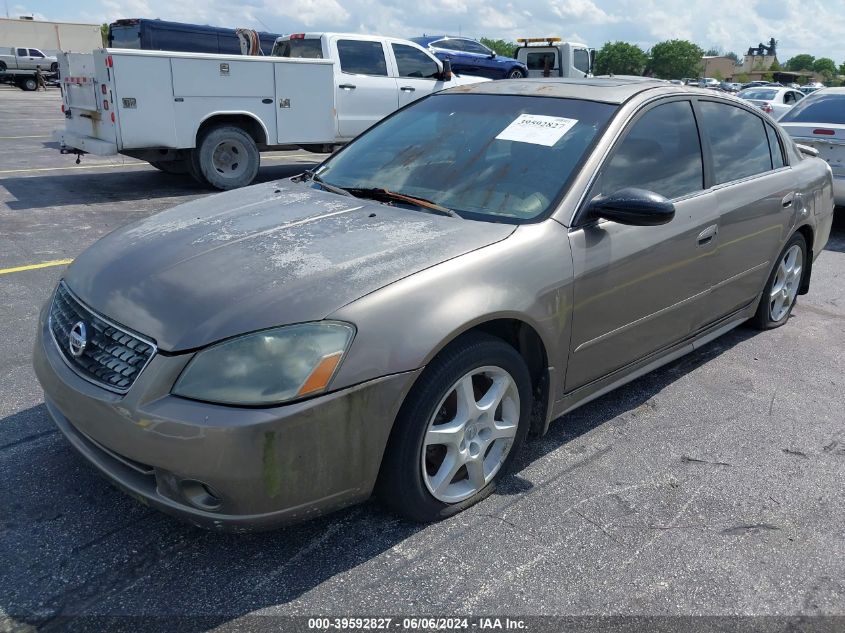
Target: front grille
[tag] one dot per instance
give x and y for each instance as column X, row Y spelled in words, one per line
column 112, row 356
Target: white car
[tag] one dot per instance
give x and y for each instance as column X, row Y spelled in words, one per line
column 819, row 122
column 708, row 82
column 771, row 99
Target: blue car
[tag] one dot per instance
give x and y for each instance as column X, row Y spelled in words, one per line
column 469, row 57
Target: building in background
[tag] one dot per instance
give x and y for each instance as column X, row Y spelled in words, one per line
column 50, row 37
column 721, row 68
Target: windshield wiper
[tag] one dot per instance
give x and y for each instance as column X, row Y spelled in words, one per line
column 386, row 194
column 309, row 173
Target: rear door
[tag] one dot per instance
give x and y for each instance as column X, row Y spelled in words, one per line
column 755, row 193
column 365, row 91
column 24, row 62
column 639, row 289
column 417, row 73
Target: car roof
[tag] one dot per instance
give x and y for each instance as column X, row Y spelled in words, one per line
column 614, row 90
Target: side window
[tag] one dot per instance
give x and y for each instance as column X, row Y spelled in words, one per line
column 661, row 153
column 738, row 141
column 22, row 52
column 775, row 148
column 449, row 45
column 474, row 47
column 359, row 57
column 788, row 97
column 34, row 52
column 581, row 60
column 412, row 62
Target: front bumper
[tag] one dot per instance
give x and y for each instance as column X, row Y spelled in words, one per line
column 266, row 467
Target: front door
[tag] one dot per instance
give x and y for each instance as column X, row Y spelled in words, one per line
column 365, row 91
column 417, row 73
column 638, row 289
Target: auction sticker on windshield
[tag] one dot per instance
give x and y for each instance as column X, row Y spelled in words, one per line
column 537, row 128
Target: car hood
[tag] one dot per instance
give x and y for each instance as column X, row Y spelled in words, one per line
column 258, row 257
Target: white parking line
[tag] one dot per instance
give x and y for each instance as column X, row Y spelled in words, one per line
column 6, row 138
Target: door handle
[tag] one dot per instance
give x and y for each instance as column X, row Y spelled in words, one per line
column 347, row 86
column 707, row 235
column 407, row 88
column 787, row 200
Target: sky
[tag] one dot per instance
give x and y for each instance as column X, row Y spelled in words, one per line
column 812, row 26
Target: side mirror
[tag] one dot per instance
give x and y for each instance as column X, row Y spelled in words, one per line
column 492, row 54
column 636, row 207
column 446, row 73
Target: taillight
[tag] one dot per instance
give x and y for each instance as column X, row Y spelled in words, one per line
column 105, row 104
column 767, row 108
column 109, row 61
column 112, row 117
column 63, row 108
column 824, row 132
column 298, row 36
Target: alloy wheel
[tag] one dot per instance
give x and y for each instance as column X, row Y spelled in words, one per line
column 786, row 283
column 470, row 434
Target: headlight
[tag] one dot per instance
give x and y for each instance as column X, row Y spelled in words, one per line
column 267, row 367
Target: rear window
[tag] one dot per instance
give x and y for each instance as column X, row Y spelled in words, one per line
column 538, row 61
column 761, row 95
column 299, row 49
column 821, row 108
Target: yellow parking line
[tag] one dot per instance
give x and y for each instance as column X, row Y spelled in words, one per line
column 18, row 269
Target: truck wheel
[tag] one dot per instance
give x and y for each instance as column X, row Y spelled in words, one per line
column 193, row 165
column 176, row 167
column 228, row 157
column 54, row 67
column 29, row 84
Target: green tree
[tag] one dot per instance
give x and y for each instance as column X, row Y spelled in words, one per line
column 713, row 52
column 842, row 68
column 675, row 59
column 826, row 67
column 500, row 47
column 733, row 56
column 104, row 33
column 742, row 78
column 775, row 66
column 620, row 58
column 804, row 61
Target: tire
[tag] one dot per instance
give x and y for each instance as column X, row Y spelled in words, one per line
column 413, row 479
column 228, row 157
column 175, row 167
column 2, row 67
column 516, row 73
column 29, row 84
column 784, row 283
column 193, row 165
column 54, row 67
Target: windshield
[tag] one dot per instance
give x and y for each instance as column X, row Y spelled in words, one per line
column 821, row 108
column 754, row 93
column 125, row 36
column 299, row 48
column 489, row 157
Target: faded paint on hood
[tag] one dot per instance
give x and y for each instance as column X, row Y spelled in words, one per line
column 259, row 257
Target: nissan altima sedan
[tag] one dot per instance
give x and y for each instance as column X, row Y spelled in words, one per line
column 401, row 318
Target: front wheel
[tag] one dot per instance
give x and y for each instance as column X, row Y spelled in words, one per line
column 458, row 430
column 516, row 73
column 54, row 67
column 781, row 289
column 29, row 84
column 228, row 157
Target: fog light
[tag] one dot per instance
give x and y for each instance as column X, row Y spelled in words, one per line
column 200, row 495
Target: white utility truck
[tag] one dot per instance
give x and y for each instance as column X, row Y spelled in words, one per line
column 211, row 115
column 550, row 57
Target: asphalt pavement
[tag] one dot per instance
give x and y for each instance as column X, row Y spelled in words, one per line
column 713, row 486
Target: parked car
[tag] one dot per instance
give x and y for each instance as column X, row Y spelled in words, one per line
column 772, row 100
column 729, row 86
column 26, row 59
column 708, row 82
column 805, row 90
column 316, row 91
column 470, row 57
column 469, row 269
column 819, row 122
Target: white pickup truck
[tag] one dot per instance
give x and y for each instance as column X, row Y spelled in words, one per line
column 211, row 115
column 18, row 66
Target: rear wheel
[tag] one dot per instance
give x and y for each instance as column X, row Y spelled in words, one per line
column 175, row 167
column 228, row 157
column 54, row 67
column 193, row 165
column 781, row 289
column 29, row 84
column 458, row 430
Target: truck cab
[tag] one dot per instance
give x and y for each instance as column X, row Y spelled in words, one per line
column 374, row 75
column 550, row 57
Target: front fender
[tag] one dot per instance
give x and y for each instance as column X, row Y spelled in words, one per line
column 402, row 326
